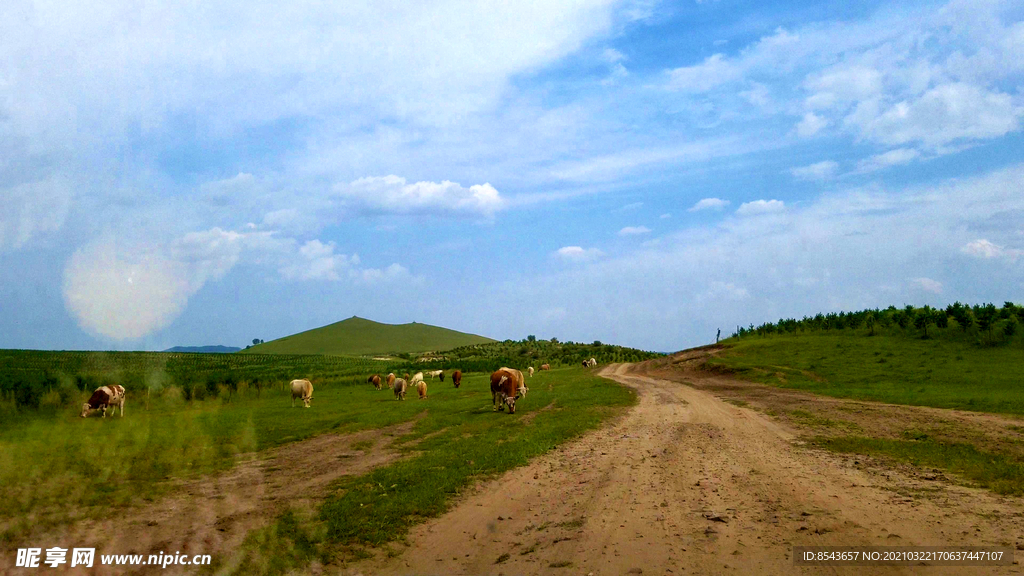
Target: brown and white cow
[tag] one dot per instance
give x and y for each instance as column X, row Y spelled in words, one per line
column 400, row 386
column 506, row 388
column 302, row 389
column 421, row 387
column 545, row 367
column 530, row 370
column 457, row 378
column 391, row 379
column 104, row 397
column 375, row 380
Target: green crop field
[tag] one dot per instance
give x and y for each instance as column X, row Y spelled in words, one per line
column 358, row 336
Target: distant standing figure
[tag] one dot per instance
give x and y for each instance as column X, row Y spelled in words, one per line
column 717, row 336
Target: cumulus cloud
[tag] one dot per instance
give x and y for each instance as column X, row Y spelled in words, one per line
column 634, row 231
column 944, row 114
column 982, row 248
column 709, row 204
column 928, row 285
column 760, row 207
column 891, row 158
column 665, row 216
column 577, row 253
column 818, row 171
column 316, row 260
column 392, row 194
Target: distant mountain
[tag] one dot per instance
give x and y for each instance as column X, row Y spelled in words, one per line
column 205, row 349
column 359, row 336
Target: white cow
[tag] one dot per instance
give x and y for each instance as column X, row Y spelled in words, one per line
column 530, row 370
column 435, row 373
column 302, row 389
column 105, row 397
column 591, row 362
column 417, row 377
column 400, row 387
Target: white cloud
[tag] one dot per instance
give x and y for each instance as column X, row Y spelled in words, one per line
column 713, row 72
column 982, row 248
column 842, row 85
column 634, row 231
column 817, row 171
column 942, row 115
column 928, row 285
column 810, row 125
column 895, row 157
column 760, row 207
column 709, row 204
column 723, row 291
column 28, row 211
column 392, row 194
column 629, row 207
column 665, row 216
column 577, row 253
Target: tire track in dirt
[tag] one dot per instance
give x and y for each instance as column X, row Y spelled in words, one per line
column 685, row 483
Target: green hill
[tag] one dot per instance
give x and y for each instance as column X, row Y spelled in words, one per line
column 358, row 336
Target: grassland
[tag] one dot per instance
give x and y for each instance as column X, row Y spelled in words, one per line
column 358, row 336
column 195, row 414
column 457, row 439
column 896, row 367
column 885, row 368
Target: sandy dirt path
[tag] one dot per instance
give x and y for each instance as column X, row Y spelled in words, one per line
column 685, row 483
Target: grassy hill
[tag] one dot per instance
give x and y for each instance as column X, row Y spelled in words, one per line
column 359, row 336
column 961, row 357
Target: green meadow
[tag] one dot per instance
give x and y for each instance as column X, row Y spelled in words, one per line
column 56, row 467
column 890, row 368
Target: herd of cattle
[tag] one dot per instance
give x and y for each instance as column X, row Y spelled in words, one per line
column 507, row 386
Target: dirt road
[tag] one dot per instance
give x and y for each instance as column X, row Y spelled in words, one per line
column 685, row 483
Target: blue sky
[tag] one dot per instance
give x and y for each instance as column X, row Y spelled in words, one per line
column 638, row 172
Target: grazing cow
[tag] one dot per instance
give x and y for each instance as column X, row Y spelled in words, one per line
column 401, row 385
column 407, row 379
column 585, row 364
column 591, row 362
column 391, row 379
column 441, row 376
column 421, row 387
column 530, row 370
column 457, row 378
column 436, row 373
column 105, row 397
column 417, row 377
column 302, row 389
column 506, row 388
column 375, row 380
column 545, row 367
